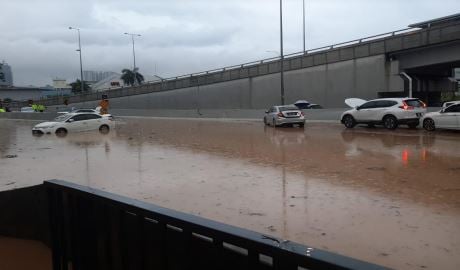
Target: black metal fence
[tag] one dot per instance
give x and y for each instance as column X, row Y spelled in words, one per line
column 93, row 229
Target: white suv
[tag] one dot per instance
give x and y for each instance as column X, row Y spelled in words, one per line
column 389, row 112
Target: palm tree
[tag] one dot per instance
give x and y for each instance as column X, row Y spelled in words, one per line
column 76, row 86
column 131, row 77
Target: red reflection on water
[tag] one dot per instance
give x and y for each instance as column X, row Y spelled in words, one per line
column 405, row 157
column 424, row 154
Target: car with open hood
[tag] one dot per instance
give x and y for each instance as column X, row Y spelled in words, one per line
column 449, row 103
column 447, row 118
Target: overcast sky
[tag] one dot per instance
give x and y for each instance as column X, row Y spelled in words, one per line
column 184, row 36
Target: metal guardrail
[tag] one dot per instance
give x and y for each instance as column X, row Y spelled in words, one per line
column 93, row 229
column 329, row 47
column 266, row 60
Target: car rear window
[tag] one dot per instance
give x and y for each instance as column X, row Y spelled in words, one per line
column 414, row 103
column 288, row 108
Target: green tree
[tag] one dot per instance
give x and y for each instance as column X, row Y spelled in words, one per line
column 131, row 77
column 76, row 86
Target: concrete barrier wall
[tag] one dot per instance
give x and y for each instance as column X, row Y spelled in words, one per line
column 327, row 85
column 29, row 116
column 357, row 68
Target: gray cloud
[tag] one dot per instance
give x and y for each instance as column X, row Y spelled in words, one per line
column 183, row 36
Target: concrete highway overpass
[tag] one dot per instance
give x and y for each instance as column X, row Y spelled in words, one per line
column 366, row 68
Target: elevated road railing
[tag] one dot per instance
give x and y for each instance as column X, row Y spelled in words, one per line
column 400, row 40
column 92, row 229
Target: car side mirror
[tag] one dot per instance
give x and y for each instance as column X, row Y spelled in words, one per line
column 70, row 121
column 357, row 108
column 266, row 111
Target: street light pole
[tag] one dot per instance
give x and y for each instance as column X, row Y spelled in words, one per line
column 82, row 82
column 281, row 53
column 303, row 2
column 134, row 53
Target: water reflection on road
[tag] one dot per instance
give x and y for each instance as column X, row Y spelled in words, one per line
column 390, row 197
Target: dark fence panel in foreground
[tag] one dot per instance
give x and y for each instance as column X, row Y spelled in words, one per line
column 93, row 229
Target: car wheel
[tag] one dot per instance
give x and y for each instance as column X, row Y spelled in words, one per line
column 412, row 125
column 349, row 121
column 428, row 124
column 302, row 125
column 104, row 129
column 61, row 132
column 390, row 122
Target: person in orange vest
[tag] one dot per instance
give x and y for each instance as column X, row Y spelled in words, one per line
column 104, row 104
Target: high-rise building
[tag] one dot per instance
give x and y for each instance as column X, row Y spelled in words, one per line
column 95, row 76
column 6, row 75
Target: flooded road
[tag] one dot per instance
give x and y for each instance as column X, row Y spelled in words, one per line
column 19, row 254
column 388, row 197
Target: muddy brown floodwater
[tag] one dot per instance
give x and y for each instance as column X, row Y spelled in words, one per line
column 388, row 197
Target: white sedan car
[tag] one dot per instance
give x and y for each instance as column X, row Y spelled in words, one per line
column 448, row 118
column 75, row 122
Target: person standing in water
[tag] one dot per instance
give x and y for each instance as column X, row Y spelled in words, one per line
column 104, row 104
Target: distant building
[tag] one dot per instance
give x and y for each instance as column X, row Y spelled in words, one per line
column 60, row 84
column 59, row 88
column 26, row 93
column 110, row 82
column 95, row 76
column 6, row 75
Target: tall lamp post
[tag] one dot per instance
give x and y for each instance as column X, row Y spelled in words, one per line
column 82, row 82
column 134, row 54
column 281, row 53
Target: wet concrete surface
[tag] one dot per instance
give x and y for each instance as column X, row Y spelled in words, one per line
column 388, row 197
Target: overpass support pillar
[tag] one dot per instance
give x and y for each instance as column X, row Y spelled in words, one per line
column 410, row 82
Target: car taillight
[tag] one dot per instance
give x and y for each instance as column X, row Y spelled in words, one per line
column 280, row 114
column 423, row 104
column 406, row 107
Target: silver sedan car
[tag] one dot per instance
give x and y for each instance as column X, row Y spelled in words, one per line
column 284, row 115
